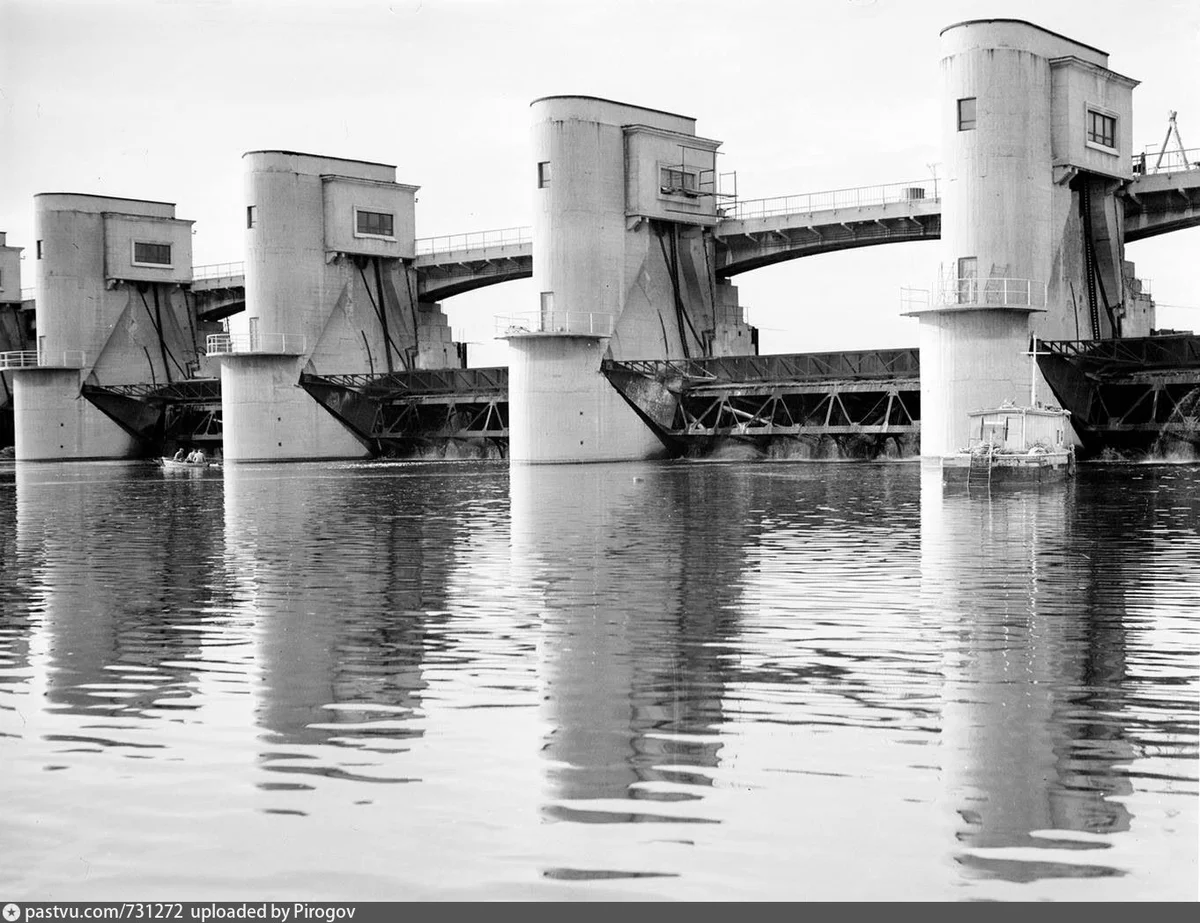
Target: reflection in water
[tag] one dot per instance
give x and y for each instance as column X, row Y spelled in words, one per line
column 638, row 605
column 337, row 581
column 718, row 681
column 112, row 574
column 1036, row 713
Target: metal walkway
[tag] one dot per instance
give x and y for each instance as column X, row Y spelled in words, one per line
column 402, row 412
column 183, row 413
column 867, row 402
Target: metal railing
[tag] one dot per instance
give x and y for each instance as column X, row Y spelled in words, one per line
column 286, row 344
column 859, row 365
column 914, row 299
column 28, row 294
column 31, row 359
column 832, row 199
column 475, row 240
column 592, row 324
column 999, row 293
column 1155, row 160
column 218, row 271
column 952, row 291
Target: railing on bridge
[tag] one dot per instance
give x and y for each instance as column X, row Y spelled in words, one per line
column 832, row 199
column 1130, row 354
column 189, row 390
column 861, row 365
column 572, row 322
column 285, row 344
column 952, row 291
column 1155, row 160
column 422, row 382
column 475, row 240
column 32, row 359
column 218, row 271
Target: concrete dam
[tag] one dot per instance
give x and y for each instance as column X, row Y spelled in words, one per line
column 329, row 338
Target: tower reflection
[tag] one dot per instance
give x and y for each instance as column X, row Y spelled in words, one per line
column 1033, row 736
column 638, row 607
column 340, row 570
column 116, row 571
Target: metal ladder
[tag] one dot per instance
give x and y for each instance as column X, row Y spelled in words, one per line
column 981, row 466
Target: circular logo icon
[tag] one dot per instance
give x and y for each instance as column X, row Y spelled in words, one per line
column 12, row 913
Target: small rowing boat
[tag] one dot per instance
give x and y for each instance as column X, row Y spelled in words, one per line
column 182, row 464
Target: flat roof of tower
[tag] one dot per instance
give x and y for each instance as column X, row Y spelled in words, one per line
column 1032, row 25
column 614, row 102
column 371, row 163
column 97, row 195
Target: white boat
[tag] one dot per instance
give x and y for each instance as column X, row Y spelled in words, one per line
column 182, row 464
column 1011, row 444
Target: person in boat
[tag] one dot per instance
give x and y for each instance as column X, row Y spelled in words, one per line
column 179, row 454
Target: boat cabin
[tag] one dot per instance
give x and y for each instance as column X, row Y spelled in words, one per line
column 1018, row 429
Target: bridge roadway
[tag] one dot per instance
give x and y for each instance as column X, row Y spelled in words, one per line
column 751, row 234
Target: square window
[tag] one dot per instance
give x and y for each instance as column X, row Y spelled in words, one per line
column 966, row 114
column 676, row 182
column 149, row 254
column 251, row 215
column 543, row 174
column 1102, row 129
column 373, row 224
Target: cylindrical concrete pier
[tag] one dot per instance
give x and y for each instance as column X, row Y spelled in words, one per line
column 52, row 422
column 562, row 409
column 1017, row 103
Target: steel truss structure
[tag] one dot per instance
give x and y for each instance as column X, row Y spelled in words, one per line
column 873, row 393
column 177, row 413
column 1127, row 393
column 397, row 412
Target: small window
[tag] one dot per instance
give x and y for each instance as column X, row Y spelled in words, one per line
column 251, row 215
column 677, row 181
column 1102, row 129
column 148, row 254
column 373, row 224
column 39, row 249
column 543, row 174
column 1, row 280
column 966, row 114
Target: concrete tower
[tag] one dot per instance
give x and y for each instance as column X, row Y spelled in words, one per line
column 329, row 290
column 110, row 309
column 1036, row 139
column 624, row 206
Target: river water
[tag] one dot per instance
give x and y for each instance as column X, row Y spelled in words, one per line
column 673, row 681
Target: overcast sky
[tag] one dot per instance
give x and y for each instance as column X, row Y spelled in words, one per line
column 158, row 99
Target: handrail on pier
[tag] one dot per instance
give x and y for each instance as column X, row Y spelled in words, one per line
column 577, row 322
column 286, row 344
column 32, row 359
